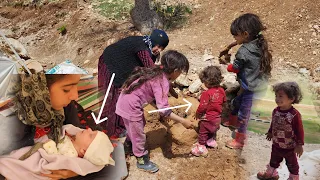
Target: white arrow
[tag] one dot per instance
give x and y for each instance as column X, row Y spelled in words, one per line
column 98, row 120
column 189, row 104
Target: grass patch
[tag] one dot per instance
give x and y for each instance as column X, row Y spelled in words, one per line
column 114, row 9
column 173, row 16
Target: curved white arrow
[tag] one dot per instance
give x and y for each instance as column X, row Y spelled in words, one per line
column 189, row 104
column 98, row 120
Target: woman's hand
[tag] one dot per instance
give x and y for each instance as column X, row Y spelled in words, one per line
column 298, row 150
column 60, row 174
column 269, row 136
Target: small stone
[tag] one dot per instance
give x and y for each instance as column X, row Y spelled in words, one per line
column 281, row 59
column 316, row 27
column 197, row 6
column 300, row 39
column 294, row 65
column 86, row 61
column 314, row 52
column 193, row 77
column 304, row 71
column 207, row 57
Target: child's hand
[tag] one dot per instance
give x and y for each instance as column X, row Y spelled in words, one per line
column 269, row 136
column 224, row 52
column 187, row 124
column 298, row 150
column 198, row 116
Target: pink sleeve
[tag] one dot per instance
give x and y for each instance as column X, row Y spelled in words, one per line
column 145, row 58
column 160, row 88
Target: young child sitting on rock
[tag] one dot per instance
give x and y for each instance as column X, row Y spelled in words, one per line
column 286, row 132
column 209, row 110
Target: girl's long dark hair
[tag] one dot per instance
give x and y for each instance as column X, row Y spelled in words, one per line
column 252, row 24
column 172, row 60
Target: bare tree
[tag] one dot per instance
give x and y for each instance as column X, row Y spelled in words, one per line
column 145, row 19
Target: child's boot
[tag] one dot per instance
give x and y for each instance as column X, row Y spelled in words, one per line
column 144, row 163
column 212, row 143
column 199, row 150
column 269, row 174
column 238, row 142
column 293, row 177
column 232, row 123
column 128, row 147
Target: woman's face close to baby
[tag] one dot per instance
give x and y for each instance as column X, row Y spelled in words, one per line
column 63, row 91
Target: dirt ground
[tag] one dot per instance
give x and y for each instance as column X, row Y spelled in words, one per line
column 291, row 37
column 170, row 146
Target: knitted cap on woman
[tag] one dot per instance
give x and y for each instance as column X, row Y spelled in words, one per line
column 159, row 37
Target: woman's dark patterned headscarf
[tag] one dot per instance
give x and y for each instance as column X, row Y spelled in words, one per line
column 32, row 103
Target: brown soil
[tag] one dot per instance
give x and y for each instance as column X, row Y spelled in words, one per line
column 170, row 146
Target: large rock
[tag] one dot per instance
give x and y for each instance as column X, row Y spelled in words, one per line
column 18, row 47
column 182, row 80
column 195, row 86
column 8, row 33
column 230, row 81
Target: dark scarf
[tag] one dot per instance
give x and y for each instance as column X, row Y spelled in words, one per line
column 148, row 42
column 32, row 103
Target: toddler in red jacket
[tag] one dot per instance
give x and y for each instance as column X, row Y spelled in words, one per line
column 209, row 110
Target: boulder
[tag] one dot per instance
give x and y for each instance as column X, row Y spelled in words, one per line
column 195, row 86
column 182, row 80
column 230, row 81
column 18, row 47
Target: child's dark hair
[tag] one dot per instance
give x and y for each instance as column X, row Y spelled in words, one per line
column 252, row 24
column 53, row 78
column 170, row 61
column 292, row 90
column 211, row 75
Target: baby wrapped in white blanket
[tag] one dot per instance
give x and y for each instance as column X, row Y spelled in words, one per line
column 81, row 151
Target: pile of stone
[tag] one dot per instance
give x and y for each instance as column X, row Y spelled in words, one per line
column 191, row 84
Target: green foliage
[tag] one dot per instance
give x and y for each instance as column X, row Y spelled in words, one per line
column 114, row 9
column 173, row 16
column 62, row 30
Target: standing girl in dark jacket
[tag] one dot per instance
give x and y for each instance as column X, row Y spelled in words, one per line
column 253, row 68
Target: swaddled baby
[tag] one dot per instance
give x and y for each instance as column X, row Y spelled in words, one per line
column 94, row 146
